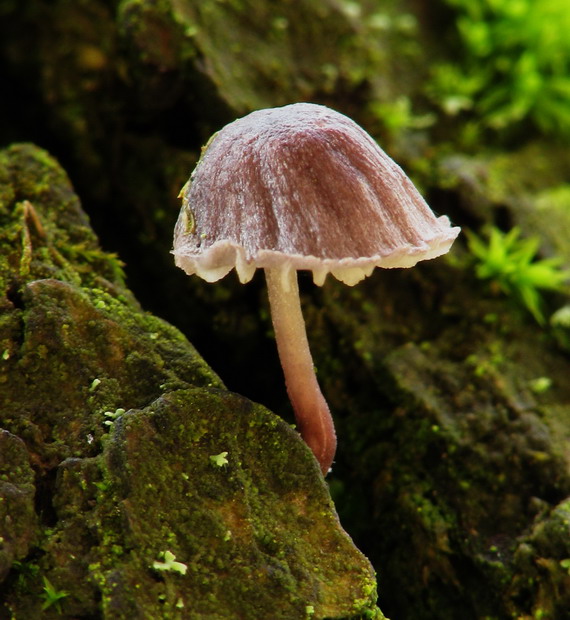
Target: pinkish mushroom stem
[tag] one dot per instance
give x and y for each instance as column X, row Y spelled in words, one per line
column 311, row 410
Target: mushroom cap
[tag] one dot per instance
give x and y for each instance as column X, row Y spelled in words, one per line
column 305, row 187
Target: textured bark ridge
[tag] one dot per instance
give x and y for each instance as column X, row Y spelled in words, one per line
column 120, row 447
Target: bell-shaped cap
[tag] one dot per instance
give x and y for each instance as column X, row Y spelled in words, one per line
column 304, row 187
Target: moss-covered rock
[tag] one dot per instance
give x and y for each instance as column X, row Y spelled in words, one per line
column 231, row 503
column 526, row 188
column 258, row 54
column 138, row 451
column 457, row 430
column 451, row 403
column 17, row 514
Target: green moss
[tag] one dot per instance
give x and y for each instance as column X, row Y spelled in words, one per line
column 195, row 505
column 18, row 521
column 45, row 231
column 122, row 417
column 445, row 429
column 525, row 190
column 512, row 66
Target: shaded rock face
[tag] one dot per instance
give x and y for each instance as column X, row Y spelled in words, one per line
column 459, row 456
column 132, row 483
column 17, row 514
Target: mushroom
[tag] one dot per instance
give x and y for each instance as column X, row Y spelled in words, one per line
column 301, row 187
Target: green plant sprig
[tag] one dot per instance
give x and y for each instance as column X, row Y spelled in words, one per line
column 511, row 262
column 52, row 596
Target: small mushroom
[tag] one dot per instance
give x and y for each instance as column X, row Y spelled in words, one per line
column 302, row 187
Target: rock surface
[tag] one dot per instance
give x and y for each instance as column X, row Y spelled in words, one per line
column 121, row 446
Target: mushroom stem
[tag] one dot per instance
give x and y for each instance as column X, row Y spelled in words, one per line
column 311, row 410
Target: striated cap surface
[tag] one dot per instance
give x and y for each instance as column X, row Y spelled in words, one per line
column 302, row 186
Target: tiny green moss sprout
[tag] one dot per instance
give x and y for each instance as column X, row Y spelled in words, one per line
column 94, row 384
column 219, row 459
column 52, row 596
column 113, row 415
column 540, row 385
column 170, row 564
column 510, row 262
column 560, row 324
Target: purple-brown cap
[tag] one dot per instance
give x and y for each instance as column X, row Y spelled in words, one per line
column 303, row 186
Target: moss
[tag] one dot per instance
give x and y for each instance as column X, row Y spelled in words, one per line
column 120, row 418
column 510, row 66
column 541, row 555
column 44, row 222
column 18, row 523
column 447, row 431
column 193, row 513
